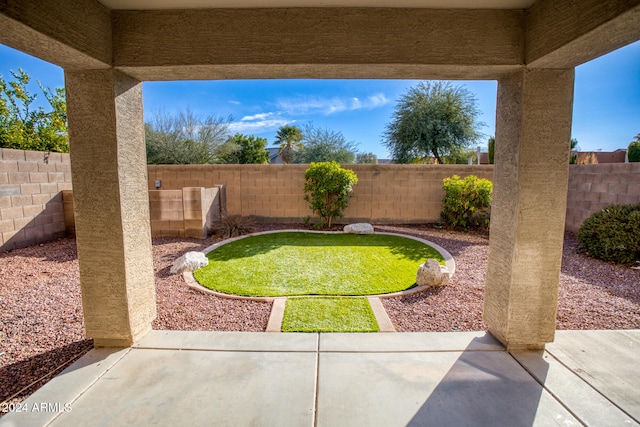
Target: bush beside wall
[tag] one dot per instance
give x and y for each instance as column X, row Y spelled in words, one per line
column 594, row 187
column 32, row 208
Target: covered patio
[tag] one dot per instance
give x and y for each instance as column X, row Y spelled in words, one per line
column 108, row 47
column 388, row 379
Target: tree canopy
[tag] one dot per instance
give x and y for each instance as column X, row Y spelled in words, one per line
column 27, row 128
column 249, row 150
column 367, row 158
column 187, row 139
column 289, row 139
column 432, row 119
column 633, row 151
column 325, row 145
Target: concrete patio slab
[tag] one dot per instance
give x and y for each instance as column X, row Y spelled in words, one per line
column 409, row 342
column 200, row 388
column 65, row 388
column 441, row 379
column 609, row 361
column 586, row 403
column 434, row 389
column 229, row 341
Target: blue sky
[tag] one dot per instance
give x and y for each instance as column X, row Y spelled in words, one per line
column 606, row 101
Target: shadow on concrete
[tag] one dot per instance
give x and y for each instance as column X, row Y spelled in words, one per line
column 484, row 388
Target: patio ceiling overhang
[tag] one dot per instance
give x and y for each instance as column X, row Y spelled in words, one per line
column 202, row 39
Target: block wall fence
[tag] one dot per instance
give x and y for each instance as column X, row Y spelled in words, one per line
column 594, row 187
column 36, row 203
column 383, row 194
column 31, row 205
column 187, row 212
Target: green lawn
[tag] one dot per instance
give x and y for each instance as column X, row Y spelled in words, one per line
column 328, row 314
column 299, row 263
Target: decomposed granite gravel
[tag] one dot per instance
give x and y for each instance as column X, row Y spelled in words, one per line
column 42, row 331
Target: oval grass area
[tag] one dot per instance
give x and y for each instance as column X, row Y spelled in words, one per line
column 299, row 263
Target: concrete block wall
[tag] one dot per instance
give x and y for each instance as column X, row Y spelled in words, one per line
column 31, row 202
column 187, row 212
column 594, row 187
column 36, row 201
column 384, row 193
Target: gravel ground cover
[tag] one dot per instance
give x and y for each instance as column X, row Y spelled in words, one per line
column 41, row 327
column 593, row 294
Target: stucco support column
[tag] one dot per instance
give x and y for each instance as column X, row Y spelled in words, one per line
column 111, row 204
column 533, row 130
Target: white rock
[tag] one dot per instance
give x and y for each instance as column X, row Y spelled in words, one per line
column 189, row 262
column 359, row 228
column 432, row 274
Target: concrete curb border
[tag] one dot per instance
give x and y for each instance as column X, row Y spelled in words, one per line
column 380, row 314
column 193, row 283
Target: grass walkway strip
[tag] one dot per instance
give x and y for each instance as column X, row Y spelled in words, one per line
column 328, row 314
column 298, row 263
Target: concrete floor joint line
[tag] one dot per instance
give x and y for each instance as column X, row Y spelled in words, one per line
column 316, row 382
column 226, row 351
column 591, row 386
column 545, row 388
column 90, row 385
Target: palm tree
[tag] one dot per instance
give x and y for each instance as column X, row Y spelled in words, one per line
column 289, row 138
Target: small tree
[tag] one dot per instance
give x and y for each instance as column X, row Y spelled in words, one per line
column 492, row 149
column 367, row 158
column 27, row 128
column 325, row 145
column 187, row 139
column 461, row 156
column 431, row 120
column 633, row 151
column 573, row 159
column 465, row 201
column 328, row 188
column 249, row 150
column 289, row 139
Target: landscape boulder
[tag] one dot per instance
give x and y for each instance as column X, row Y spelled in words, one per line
column 189, row 262
column 359, row 228
column 432, row 274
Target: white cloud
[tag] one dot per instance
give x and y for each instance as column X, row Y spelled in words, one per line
column 235, row 102
column 258, row 123
column 260, row 116
column 327, row 106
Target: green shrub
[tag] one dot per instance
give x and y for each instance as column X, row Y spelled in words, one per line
column 327, row 189
column 466, row 201
column 633, row 151
column 233, row 226
column 613, row 234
